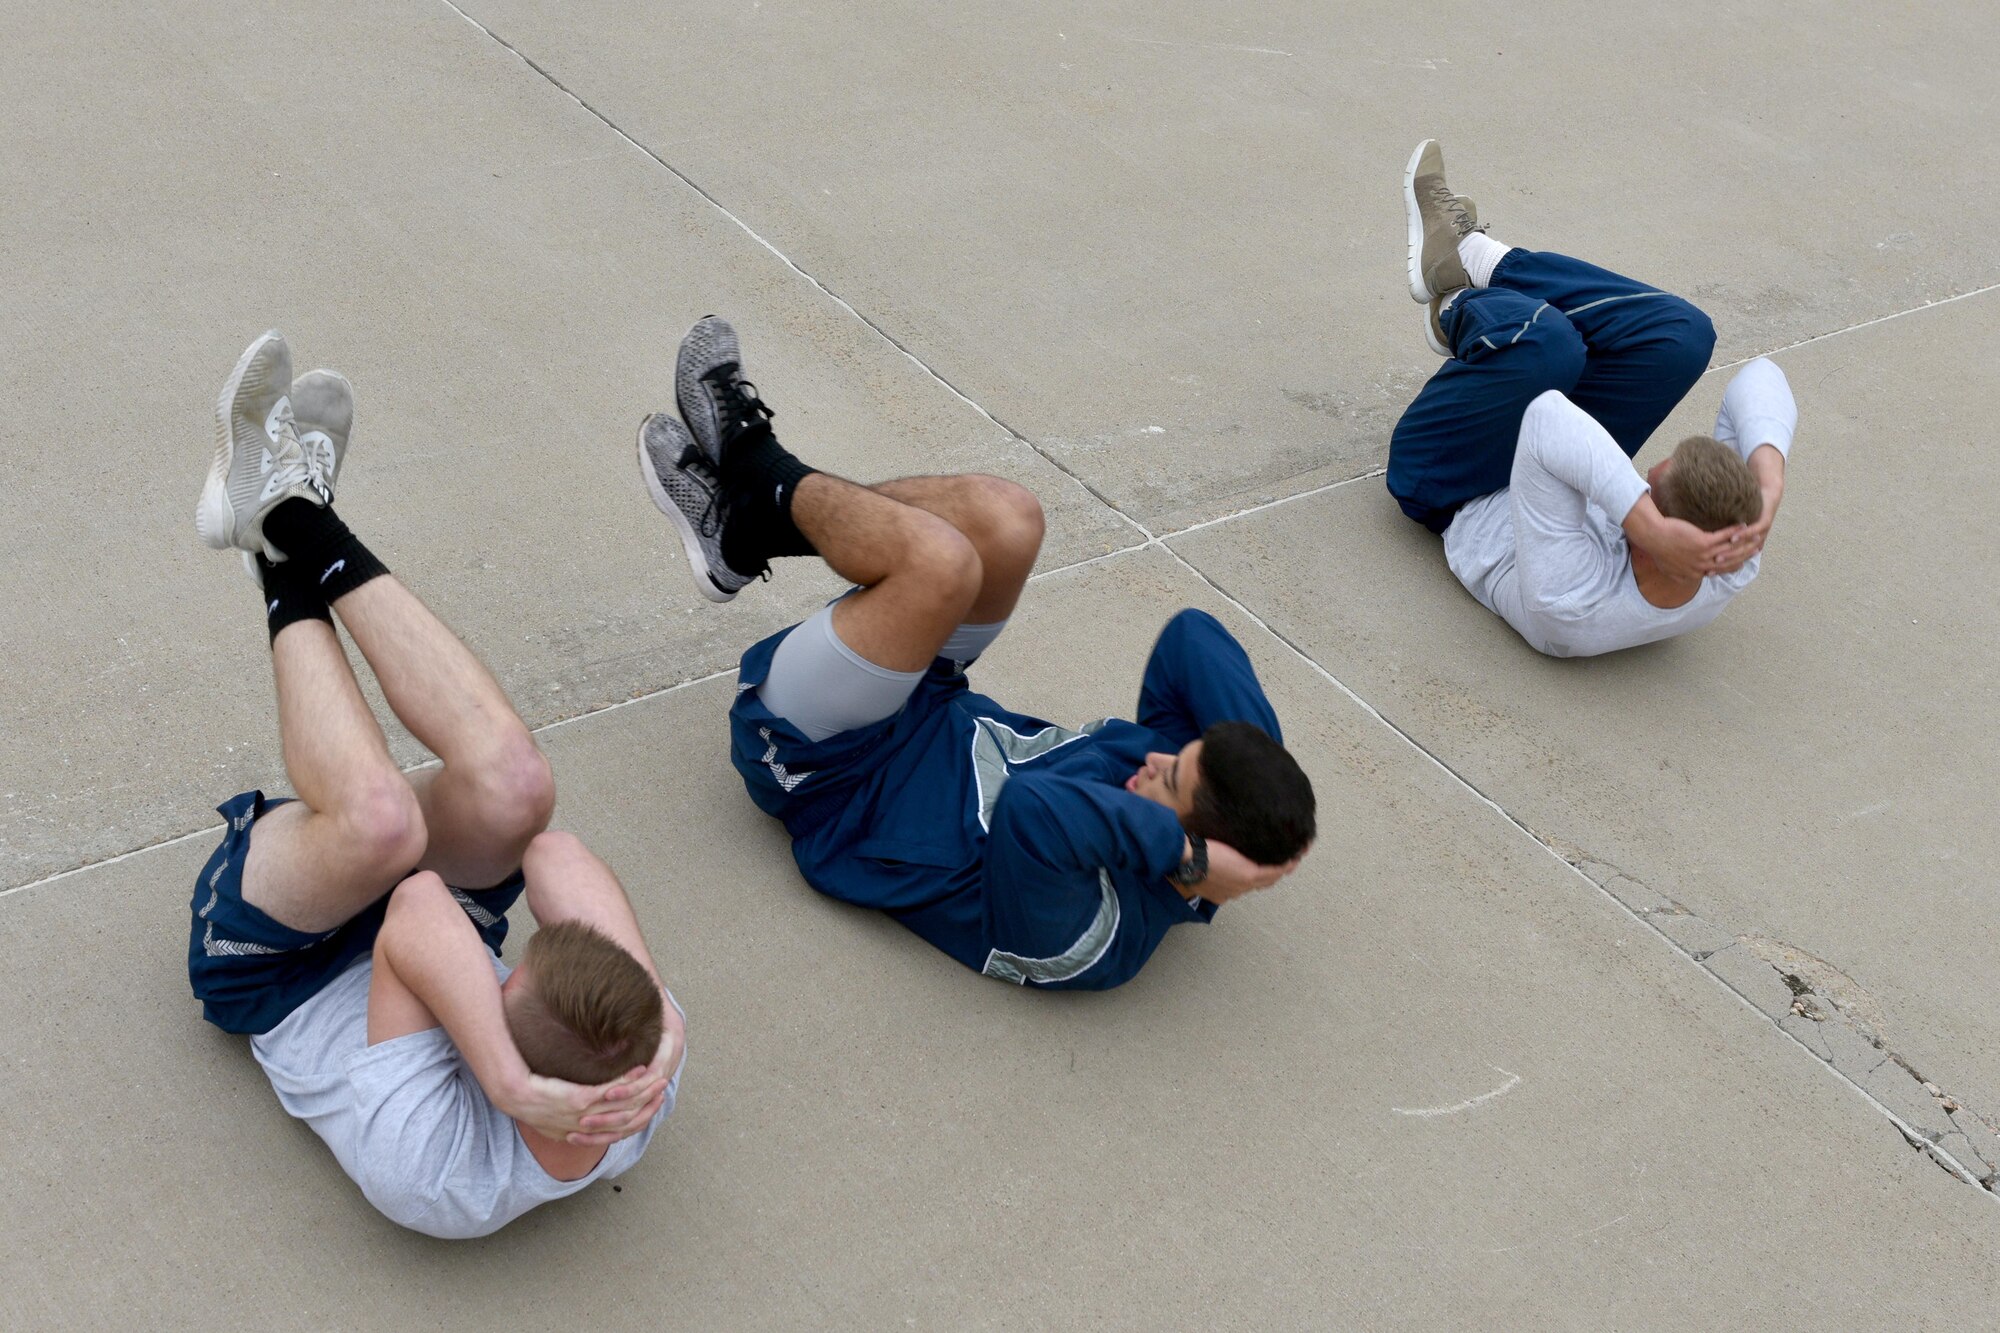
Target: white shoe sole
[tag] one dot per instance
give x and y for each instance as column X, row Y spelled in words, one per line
column 1418, row 292
column 690, row 541
column 214, row 519
column 1430, row 336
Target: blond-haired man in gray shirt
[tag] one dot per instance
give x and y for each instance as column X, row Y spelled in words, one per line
column 1518, row 450
column 354, row 932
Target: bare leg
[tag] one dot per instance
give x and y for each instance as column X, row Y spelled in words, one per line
column 1002, row 520
column 918, row 573
column 494, row 792
column 356, row 828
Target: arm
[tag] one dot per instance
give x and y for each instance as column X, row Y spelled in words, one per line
column 1048, row 826
column 1053, row 827
column 1199, row 675
column 1679, row 547
column 1053, row 912
column 1758, row 419
column 1565, row 462
column 432, row 970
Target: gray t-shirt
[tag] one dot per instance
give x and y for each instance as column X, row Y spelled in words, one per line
column 1549, row 555
column 406, row 1119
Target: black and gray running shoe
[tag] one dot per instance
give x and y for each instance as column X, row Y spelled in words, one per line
column 684, row 486
column 718, row 404
column 709, row 348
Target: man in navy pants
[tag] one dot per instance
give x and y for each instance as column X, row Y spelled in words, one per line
column 1029, row 852
column 1517, row 450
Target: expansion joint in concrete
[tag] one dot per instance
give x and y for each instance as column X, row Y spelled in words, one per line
column 1808, row 1000
column 1864, row 324
column 1820, row 1008
column 810, row 278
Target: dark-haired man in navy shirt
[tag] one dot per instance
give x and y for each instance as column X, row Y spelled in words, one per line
column 1027, row 851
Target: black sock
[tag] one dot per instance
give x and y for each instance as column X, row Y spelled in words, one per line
column 759, row 479
column 290, row 595
column 313, row 538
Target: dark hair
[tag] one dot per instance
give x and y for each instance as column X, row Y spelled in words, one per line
column 589, row 1011
column 1252, row 795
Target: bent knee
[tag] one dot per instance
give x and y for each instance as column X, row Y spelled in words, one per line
column 517, row 789
column 950, row 562
column 1013, row 517
column 1693, row 340
column 1559, row 350
column 383, row 826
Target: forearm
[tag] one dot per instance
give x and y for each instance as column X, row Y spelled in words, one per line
column 1644, row 524
column 1767, row 464
column 1197, row 675
column 435, row 952
column 568, row 882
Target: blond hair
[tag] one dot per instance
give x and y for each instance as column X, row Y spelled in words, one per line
column 1709, row 485
column 587, row 1010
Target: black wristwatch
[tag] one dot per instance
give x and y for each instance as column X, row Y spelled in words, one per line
column 1195, row 869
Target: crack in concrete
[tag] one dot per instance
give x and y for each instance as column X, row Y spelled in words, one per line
column 1787, row 984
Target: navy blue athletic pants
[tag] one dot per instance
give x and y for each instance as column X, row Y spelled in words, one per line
column 1624, row 352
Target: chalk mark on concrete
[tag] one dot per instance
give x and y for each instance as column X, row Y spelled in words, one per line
column 1429, row 1112
column 1210, row 46
column 1945, row 1150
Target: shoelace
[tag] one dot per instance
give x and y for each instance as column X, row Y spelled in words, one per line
column 289, row 463
column 318, row 450
column 1462, row 224
column 1449, row 203
column 716, row 512
column 737, row 402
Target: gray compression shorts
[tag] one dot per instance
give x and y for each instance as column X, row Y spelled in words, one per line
column 823, row 687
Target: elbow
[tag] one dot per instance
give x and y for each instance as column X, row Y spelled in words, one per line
column 412, row 902
column 515, row 791
column 1543, row 414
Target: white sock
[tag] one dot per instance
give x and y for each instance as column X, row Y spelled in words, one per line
column 1479, row 253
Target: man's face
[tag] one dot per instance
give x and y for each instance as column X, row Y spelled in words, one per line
column 1656, row 473
column 1170, row 779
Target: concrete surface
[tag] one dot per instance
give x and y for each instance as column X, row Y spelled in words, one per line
column 1101, row 221
column 1725, row 1067
column 1289, row 1119
column 1814, row 770
column 504, row 281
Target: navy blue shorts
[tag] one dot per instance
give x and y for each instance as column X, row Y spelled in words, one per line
column 250, row 971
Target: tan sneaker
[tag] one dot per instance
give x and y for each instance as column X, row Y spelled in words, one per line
column 1438, row 219
column 1434, row 322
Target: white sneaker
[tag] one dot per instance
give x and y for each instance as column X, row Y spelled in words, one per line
column 323, row 411
column 259, row 462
